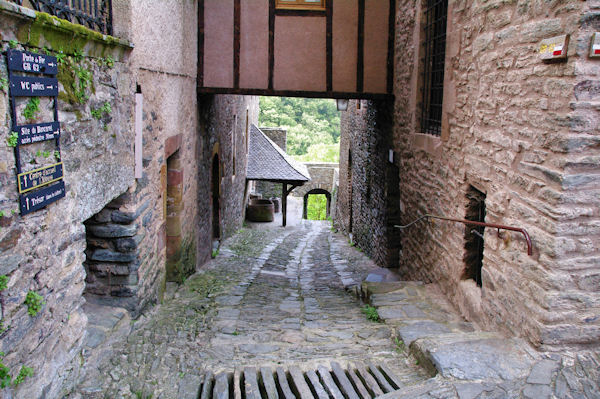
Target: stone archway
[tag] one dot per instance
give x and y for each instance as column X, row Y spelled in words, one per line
column 316, row 191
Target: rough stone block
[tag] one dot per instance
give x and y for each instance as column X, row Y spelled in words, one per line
column 113, row 230
column 419, row 329
column 472, row 356
column 105, row 255
column 542, row 372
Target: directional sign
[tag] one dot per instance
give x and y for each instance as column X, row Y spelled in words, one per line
column 40, row 177
column 24, row 61
column 29, row 134
column 38, row 199
column 33, row 86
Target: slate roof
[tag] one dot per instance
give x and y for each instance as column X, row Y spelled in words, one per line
column 267, row 161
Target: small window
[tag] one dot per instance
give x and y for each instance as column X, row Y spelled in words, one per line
column 301, row 4
column 434, row 50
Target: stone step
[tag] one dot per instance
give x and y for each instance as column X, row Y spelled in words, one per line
column 474, row 356
column 357, row 382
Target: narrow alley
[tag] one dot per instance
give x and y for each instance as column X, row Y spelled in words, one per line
column 284, row 302
column 270, row 298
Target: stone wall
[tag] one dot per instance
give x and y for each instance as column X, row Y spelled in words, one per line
column 223, row 117
column 43, row 251
column 367, row 200
column 523, row 132
column 138, row 232
column 279, row 136
column 323, row 177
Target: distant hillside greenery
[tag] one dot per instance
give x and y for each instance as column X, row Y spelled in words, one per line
column 313, row 126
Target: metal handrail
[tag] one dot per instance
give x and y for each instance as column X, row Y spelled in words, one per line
column 474, row 223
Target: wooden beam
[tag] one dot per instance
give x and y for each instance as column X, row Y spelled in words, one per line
column 200, row 66
column 284, row 195
column 295, row 93
column 329, row 45
column 236, row 42
column 360, row 60
column 271, row 42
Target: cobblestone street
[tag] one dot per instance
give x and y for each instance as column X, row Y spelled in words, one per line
column 275, row 297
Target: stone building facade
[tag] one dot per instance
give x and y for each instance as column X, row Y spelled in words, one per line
column 324, row 180
column 519, row 138
column 367, row 199
column 116, row 237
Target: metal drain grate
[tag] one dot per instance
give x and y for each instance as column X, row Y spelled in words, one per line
column 357, row 382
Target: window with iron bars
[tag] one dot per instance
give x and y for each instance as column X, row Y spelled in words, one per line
column 434, row 47
column 93, row 14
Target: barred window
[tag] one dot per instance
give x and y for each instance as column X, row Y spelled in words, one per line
column 434, row 46
column 301, row 4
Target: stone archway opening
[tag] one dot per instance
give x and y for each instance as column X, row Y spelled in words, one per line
column 313, row 204
column 112, row 263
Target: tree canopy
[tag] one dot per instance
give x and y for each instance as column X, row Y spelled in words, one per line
column 313, row 126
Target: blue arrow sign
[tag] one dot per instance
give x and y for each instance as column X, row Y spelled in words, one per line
column 33, row 86
column 35, row 133
column 24, row 61
column 38, row 199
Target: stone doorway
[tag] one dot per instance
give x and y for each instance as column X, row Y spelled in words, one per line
column 174, row 209
column 216, row 198
column 112, row 263
column 317, row 191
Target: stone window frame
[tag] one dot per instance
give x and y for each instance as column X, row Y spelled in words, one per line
column 300, row 5
column 421, row 140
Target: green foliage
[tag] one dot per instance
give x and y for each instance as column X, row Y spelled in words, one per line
column 142, row 395
column 13, row 43
column 60, row 57
column 84, row 80
column 101, row 111
column 77, row 55
column 321, row 152
column 57, row 155
column 371, row 313
column 46, row 154
column 309, row 122
column 109, row 61
column 34, row 303
column 400, row 346
column 23, row 373
column 214, row 254
column 32, row 108
column 316, row 207
column 3, row 282
column 11, row 141
column 6, row 378
column 4, row 85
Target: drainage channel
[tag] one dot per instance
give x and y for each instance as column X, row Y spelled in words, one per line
column 358, row 381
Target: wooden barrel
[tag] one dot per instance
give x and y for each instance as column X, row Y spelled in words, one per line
column 260, row 210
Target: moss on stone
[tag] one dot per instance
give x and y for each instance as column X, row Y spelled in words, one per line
column 183, row 263
column 61, row 34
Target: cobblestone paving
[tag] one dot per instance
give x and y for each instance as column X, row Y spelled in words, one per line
column 275, row 297
column 287, row 297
